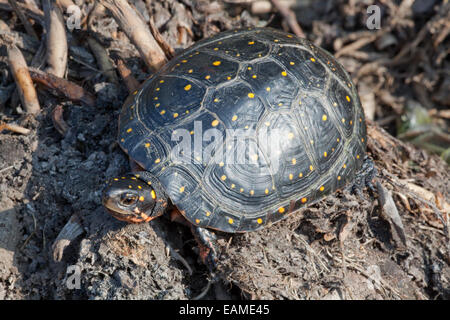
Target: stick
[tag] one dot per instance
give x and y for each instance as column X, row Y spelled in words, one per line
column 56, row 39
column 130, row 81
column 63, row 87
column 290, row 18
column 137, row 32
column 25, row 87
column 103, row 61
column 24, row 20
column 14, row 128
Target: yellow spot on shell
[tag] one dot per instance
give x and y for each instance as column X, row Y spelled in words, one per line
column 175, row 115
column 190, row 71
column 233, row 186
column 208, row 77
column 158, row 160
column 294, row 161
column 324, row 117
column 251, row 95
column 139, row 187
column 300, row 175
column 338, row 139
column 216, row 100
column 197, row 220
column 147, row 145
column 141, row 198
column 254, row 76
column 344, row 166
column 291, row 176
column 157, row 89
column 181, row 189
column 313, row 60
column 325, row 154
column 208, row 213
column 251, row 42
column 241, row 189
column 266, row 191
column 221, row 164
column 157, row 105
column 188, row 87
column 322, row 188
column 215, row 123
column 161, row 81
column 291, row 63
column 290, row 135
column 303, row 200
column 357, row 156
column 224, row 177
column 129, row 130
column 162, row 112
column 348, row 98
column 234, row 118
column 217, row 63
column 267, row 123
column 259, row 221
column 215, row 49
column 153, row 194
column 134, row 93
column 311, row 168
column 115, row 179
column 268, row 89
column 284, row 73
column 230, row 221
column 339, row 177
column 281, row 210
column 122, row 140
column 252, row 192
column 184, row 61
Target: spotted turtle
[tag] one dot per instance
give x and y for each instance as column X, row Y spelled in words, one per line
column 237, row 132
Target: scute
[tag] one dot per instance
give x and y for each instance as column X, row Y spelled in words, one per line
column 284, row 109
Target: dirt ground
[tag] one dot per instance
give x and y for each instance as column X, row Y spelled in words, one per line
column 344, row 247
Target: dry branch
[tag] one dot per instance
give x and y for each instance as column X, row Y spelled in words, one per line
column 56, row 39
column 131, row 82
column 137, row 32
column 25, row 87
column 103, row 61
column 24, row 20
column 14, row 128
column 32, row 12
column 63, row 87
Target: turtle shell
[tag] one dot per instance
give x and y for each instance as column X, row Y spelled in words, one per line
column 243, row 128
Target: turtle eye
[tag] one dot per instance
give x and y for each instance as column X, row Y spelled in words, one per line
column 128, row 199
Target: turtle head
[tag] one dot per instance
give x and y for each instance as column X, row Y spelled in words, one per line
column 134, row 199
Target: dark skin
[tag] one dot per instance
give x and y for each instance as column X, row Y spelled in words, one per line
column 139, row 198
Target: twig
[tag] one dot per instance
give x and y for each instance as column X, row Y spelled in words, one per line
column 14, row 128
column 56, row 39
column 24, row 20
column 34, row 13
column 168, row 50
column 63, row 87
column 134, row 27
column 290, row 18
column 130, row 81
column 103, row 61
column 58, row 121
column 26, row 90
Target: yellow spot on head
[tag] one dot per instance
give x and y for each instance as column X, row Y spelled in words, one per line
column 141, row 198
column 335, row 104
column 215, row 123
column 251, row 95
column 343, row 120
column 233, row 186
column 192, row 132
column 181, row 189
column 338, row 139
column 217, row 63
column 259, row 221
column 284, row 73
column 276, row 40
column 281, row 210
column 122, row 140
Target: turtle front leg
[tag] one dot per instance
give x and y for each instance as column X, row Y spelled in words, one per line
column 207, row 242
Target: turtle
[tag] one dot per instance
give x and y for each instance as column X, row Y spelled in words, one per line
column 237, row 132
